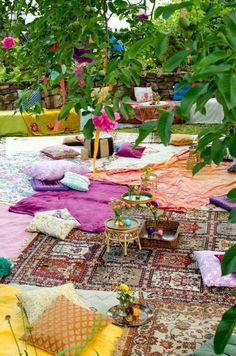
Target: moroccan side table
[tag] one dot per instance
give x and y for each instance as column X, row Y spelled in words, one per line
column 123, row 235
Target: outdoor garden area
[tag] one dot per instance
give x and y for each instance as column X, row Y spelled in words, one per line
column 117, row 177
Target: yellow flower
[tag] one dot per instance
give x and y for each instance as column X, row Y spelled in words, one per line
column 124, row 288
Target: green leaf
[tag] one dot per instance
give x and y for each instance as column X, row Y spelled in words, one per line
column 230, row 21
column 144, row 130
column 212, row 58
column 174, row 61
column 124, row 110
column 167, row 11
column 228, row 264
column 232, row 145
column 207, row 138
column 111, row 7
column 231, row 41
column 88, row 129
column 226, row 85
column 125, row 77
column 191, row 97
column 198, row 167
column 164, row 125
column 137, row 47
column 232, row 194
column 211, row 71
column 232, row 216
column 65, row 110
column 97, row 110
column 224, row 330
column 217, row 151
column 110, row 112
column 161, row 44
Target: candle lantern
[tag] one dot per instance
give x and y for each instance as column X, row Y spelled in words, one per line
column 148, row 181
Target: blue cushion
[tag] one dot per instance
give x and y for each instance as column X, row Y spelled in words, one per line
column 29, row 98
column 76, row 181
column 178, row 94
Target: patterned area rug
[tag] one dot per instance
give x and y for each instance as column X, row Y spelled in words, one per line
column 185, row 312
column 162, row 273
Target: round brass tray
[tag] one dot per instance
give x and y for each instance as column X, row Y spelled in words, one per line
column 145, row 315
column 141, row 198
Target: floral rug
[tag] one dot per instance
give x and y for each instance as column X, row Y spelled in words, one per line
column 185, row 313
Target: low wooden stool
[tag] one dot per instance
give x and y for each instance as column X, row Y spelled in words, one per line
column 122, row 235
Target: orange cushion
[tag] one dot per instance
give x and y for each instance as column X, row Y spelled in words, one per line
column 64, row 325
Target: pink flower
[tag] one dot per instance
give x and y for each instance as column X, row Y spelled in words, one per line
column 8, row 42
column 34, row 127
column 80, row 82
column 103, row 122
column 78, row 72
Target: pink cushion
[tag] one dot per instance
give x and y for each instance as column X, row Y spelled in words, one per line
column 210, row 269
column 125, row 150
column 53, row 170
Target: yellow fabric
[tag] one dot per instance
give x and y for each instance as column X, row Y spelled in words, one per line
column 104, row 343
column 181, row 139
column 95, row 152
column 44, row 125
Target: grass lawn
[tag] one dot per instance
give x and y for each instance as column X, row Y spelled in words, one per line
column 180, row 129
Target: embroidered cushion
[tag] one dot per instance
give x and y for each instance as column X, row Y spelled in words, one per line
column 62, row 214
column 143, row 94
column 60, row 151
column 232, row 167
column 76, row 181
column 65, row 325
column 36, row 301
column 210, row 269
column 125, row 150
column 53, row 170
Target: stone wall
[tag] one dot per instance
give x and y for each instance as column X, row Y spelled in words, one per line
column 161, row 83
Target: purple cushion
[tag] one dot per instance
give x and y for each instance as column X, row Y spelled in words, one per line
column 126, row 150
column 44, row 185
column 53, row 170
column 222, row 201
column 210, row 269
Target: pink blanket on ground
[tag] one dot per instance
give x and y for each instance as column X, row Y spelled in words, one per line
column 177, row 189
column 12, row 228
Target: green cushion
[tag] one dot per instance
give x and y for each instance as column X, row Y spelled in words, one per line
column 12, row 124
column 207, row 349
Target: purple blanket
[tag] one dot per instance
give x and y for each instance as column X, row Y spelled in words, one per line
column 90, row 208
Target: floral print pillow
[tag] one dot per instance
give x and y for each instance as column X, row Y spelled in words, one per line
column 143, row 95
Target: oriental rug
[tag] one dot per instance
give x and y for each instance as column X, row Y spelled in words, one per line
column 159, row 273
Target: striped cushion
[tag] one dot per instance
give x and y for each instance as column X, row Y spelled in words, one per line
column 76, row 181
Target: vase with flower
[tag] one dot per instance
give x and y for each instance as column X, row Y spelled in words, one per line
column 126, row 297
column 153, row 208
column 118, row 206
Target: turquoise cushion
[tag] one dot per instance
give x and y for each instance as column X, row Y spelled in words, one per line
column 76, row 181
column 207, row 349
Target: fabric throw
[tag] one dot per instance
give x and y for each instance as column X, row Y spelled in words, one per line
column 105, row 148
column 210, row 268
column 82, row 205
column 223, row 202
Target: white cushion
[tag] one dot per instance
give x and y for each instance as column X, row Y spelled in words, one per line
column 143, row 94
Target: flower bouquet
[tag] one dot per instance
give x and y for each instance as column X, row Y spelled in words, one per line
column 153, row 208
column 118, row 206
column 126, row 297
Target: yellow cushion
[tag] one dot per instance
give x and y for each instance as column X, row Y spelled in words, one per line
column 181, row 139
column 104, row 343
column 65, row 325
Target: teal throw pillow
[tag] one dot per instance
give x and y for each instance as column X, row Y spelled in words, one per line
column 76, row 181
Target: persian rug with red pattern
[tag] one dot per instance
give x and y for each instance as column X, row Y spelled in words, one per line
column 185, row 313
column 164, row 273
